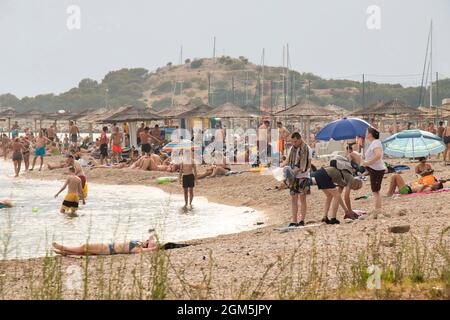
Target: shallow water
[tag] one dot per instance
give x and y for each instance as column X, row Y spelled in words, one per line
column 112, row 213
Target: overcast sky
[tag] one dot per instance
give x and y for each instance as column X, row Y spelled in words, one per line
column 39, row 54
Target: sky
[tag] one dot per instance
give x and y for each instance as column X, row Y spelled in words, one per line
column 39, row 54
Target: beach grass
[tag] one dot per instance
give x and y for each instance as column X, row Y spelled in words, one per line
column 409, row 268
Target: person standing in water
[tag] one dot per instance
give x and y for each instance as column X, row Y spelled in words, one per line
column 17, row 156
column 5, row 145
column 188, row 176
column 72, row 198
column 74, row 133
column 39, row 150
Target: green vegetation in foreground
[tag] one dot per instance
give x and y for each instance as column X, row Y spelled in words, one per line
column 411, row 269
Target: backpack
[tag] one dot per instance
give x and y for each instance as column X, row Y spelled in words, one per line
column 341, row 163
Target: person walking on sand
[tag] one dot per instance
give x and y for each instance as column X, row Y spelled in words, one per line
column 73, row 132
column 299, row 162
column 374, row 164
column 188, row 176
column 39, row 151
column 17, row 156
column 116, row 144
column 74, row 191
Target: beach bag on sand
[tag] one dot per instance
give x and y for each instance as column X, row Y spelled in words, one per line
column 342, row 163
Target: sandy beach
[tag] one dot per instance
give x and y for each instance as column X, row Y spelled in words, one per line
column 310, row 262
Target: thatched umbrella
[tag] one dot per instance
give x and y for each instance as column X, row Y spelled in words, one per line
column 174, row 112
column 229, row 111
column 35, row 115
column 395, row 108
column 337, row 110
column 131, row 115
column 197, row 113
column 8, row 114
column 308, row 109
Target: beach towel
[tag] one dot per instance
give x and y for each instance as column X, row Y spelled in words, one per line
column 298, row 157
column 423, row 193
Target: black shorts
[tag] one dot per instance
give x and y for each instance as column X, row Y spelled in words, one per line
column 74, row 137
column 188, row 181
column 323, row 180
column 104, row 150
column 446, row 139
column 376, row 178
column 146, row 148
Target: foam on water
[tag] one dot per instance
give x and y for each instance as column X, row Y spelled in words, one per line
column 112, row 212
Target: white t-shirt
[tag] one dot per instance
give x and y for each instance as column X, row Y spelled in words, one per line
column 307, row 173
column 370, row 154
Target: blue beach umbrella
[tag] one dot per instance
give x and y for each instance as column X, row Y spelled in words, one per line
column 413, row 144
column 343, row 129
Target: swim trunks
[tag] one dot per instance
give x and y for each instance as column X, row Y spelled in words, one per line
column 39, row 151
column 104, row 150
column 74, row 137
column 446, row 139
column 17, row 156
column 146, row 148
column 405, row 189
column 116, row 148
column 70, row 202
column 188, row 181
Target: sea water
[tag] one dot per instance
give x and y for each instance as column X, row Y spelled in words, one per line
column 111, row 213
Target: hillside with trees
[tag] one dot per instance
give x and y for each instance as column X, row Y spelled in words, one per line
column 225, row 79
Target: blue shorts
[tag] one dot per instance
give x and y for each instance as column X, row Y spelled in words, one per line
column 39, row 151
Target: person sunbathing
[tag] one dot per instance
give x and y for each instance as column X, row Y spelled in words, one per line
column 397, row 182
column 126, row 247
column 6, row 204
column 143, row 163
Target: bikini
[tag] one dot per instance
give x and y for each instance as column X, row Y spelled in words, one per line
column 131, row 245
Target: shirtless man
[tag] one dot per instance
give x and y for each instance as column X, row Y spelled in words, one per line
column 446, row 139
column 145, row 141
column 17, row 156
column 51, row 133
column 138, row 133
column 188, row 176
column 74, row 191
column 5, row 146
column 73, row 132
column 116, row 144
column 283, row 136
column 39, row 150
column 155, row 134
column 26, row 152
column 78, row 170
column 15, row 130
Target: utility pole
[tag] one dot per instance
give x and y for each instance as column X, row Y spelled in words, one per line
column 437, row 95
column 214, row 50
column 309, row 89
column 261, row 99
column 363, row 93
column 209, row 89
column 232, row 89
column 431, row 64
column 181, row 55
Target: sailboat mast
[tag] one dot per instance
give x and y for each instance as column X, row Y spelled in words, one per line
column 431, row 64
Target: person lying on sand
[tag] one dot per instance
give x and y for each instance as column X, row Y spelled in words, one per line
column 215, row 170
column 424, row 168
column 6, row 204
column 397, row 182
column 128, row 247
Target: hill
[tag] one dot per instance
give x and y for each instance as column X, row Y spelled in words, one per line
column 226, row 79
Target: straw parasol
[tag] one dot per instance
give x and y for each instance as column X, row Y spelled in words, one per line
column 367, row 111
column 308, row 109
column 197, row 112
column 132, row 114
column 8, row 114
column 174, row 112
column 228, row 110
column 336, row 109
column 395, row 107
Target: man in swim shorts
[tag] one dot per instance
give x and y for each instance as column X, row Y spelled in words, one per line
column 74, row 191
column 116, row 144
column 39, row 151
column 73, row 132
